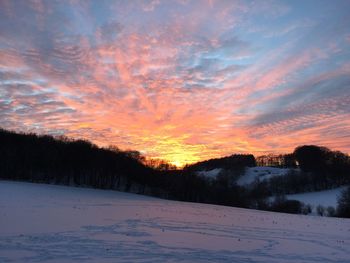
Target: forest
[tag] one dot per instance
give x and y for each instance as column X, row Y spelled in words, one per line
column 61, row 160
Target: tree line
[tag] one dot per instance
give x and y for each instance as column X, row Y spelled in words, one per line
column 60, row 160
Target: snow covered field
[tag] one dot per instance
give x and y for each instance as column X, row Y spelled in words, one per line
column 325, row 198
column 47, row 223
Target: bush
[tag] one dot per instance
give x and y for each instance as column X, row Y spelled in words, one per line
column 320, row 210
column 286, row 206
column 331, row 211
column 306, row 209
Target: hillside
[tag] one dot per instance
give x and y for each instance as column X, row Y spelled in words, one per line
column 232, row 162
column 324, row 198
column 60, row 160
column 50, row 223
column 248, row 175
column 261, row 173
column 234, row 180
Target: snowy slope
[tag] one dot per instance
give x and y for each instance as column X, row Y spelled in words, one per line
column 46, row 223
column 211, row 173
column 250, row 174
column 325, row 198
column 260, row 173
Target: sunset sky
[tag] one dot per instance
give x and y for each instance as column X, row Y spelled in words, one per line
column 179, row 80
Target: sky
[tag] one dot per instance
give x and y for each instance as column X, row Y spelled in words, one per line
column 179, row 80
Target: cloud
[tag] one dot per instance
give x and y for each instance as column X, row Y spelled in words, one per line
column 180, row 80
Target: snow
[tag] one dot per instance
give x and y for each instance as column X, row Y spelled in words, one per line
column 211, row 173
column 260, row 173
column 48, row 223
column 325, row 198
column 250, row 174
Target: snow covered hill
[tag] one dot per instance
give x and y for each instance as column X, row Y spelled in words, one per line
column 261, row 173
column 211, row 173
column 48, row 223
column 325, row 198
column 251, row 174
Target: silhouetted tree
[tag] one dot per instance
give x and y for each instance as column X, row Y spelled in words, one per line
column 311, row 158
column 343, row 208
column 321, row 210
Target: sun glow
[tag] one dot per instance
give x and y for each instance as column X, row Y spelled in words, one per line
column 181, row 160
column 178, row 154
